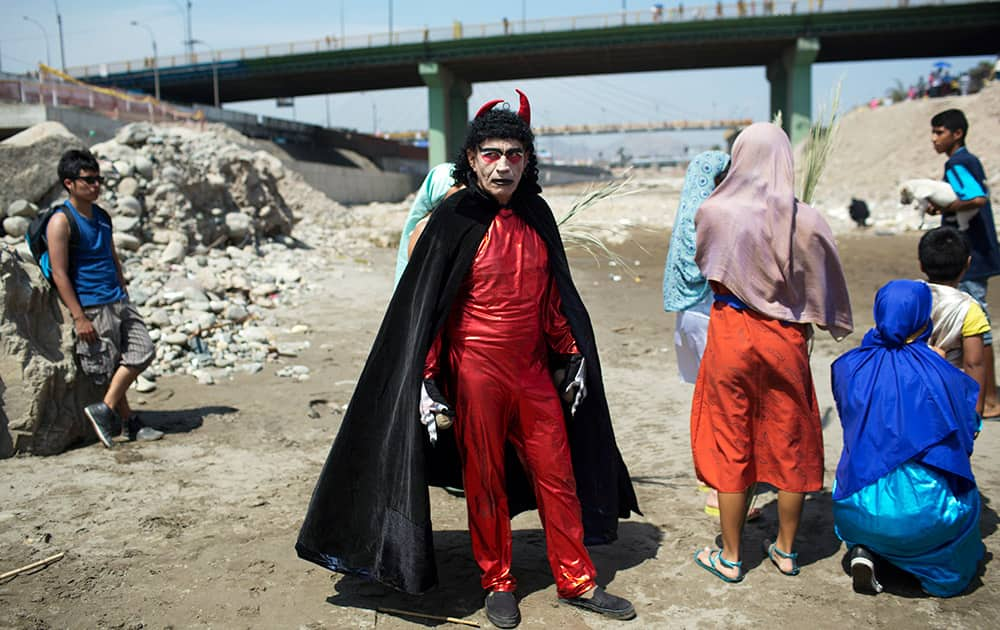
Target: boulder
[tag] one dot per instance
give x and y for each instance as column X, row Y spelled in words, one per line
column 189, row 288
column 238, row 225
column 256, row 334
column 110, row 152
column 264, row 289
column 127, row 187
column 204, row 377
column 128, row 206
column 28, row 161
column 174, row 252
column 134, row 135
column 269, row 164
column 158, row 318
column 22, row 208
column 237, row 282
column 138, row 295
column 127, row 242
column 124, row 168
column 42, row 392
column 172, row 174
column 144, row 166
column 175, row 339
column 236, row 313
column 16, row 226
column 208, row 279
column 125, row 223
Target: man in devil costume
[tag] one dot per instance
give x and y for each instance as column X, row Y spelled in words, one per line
column 483, row 315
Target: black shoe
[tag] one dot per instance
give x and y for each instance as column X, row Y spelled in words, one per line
column 105, row 421
column 501, row 609
column 138, row 431
column 603, row 602
column 863, row 572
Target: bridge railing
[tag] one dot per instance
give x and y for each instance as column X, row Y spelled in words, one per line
column 109, row 102
column 638, row 127
column 459, row 30
column 50, row 90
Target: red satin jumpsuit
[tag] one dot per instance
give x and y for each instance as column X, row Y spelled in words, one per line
column 506, row 317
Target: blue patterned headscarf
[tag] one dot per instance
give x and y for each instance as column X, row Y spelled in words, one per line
column 683, row 284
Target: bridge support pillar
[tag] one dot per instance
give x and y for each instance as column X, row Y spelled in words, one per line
column 791, row 87
column 448, row 111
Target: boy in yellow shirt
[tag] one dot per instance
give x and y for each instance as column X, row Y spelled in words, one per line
column 959, row 322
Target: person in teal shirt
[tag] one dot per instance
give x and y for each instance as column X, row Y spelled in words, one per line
column 429, row 195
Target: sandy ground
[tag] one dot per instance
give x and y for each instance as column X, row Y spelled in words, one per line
column 197, row 530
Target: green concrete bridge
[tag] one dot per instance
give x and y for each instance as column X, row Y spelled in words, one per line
column 787, row 41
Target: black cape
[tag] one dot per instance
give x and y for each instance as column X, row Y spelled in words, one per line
column 370, row 513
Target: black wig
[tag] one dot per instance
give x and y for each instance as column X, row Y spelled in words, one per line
column 506, row 125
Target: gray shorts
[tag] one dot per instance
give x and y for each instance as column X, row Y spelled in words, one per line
column 123, row 339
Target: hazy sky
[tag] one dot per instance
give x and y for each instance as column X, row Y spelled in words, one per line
column 98, row 31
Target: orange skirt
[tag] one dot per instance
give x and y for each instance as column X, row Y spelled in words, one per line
column 754, row 417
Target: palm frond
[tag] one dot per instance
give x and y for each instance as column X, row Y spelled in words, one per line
column 591, row 197
column 588, row 236
column 819, row 144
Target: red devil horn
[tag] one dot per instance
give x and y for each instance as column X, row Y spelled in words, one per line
column 524, row 112
column 488, row 106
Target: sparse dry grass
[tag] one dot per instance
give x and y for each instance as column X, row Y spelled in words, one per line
column 586, row 235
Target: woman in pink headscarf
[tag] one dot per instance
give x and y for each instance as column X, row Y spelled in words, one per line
column 774, row 271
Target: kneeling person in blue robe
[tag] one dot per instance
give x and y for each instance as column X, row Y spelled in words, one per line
column 904, row 489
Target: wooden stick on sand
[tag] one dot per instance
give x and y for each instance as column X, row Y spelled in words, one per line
column 33, row 565
column 426, row 616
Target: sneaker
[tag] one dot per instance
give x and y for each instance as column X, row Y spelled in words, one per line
column 600, row 601
column 138, row 431
column 863, row 572
column 501, row 609
column 105, row 421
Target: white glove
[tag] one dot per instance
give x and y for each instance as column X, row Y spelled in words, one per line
column 575, row 382
column 434, row 411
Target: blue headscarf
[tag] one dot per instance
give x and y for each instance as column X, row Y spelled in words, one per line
column 683, row 284
column 899, row 400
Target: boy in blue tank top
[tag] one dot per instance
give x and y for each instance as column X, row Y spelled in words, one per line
column 964, row 172
column 113, row 344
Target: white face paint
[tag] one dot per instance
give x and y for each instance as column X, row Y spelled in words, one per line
column 499, row 165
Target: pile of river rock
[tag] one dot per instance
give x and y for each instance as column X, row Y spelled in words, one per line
column 203, row 222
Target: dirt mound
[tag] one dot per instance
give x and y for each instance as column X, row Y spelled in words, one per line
column 876, row 149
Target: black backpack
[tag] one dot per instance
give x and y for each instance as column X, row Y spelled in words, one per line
column 38, row 243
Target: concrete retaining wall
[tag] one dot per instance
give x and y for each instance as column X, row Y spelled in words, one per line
column 15, row 117
column 556, row 174
column 342, row 184
column 351, row 185
column 88, row 126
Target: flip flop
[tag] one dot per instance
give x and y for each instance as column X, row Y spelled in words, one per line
column 772, row 548
column 711, row 567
